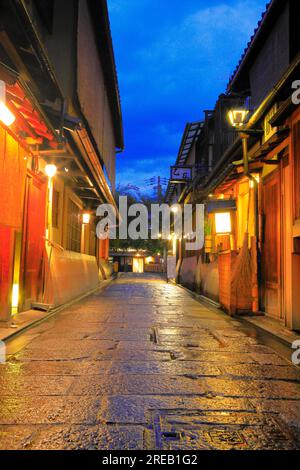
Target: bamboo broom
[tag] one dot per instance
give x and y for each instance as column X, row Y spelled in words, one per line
column 241, row 281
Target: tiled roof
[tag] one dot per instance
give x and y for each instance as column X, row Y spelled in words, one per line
column 250, row 43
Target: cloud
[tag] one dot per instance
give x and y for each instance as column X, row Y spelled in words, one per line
column 200, row 49
column 174, row 58
column 143, row 170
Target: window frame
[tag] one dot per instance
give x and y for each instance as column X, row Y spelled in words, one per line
column 74, row 227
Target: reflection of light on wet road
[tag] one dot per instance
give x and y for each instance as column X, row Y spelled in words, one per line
column 20, row 342
column 120, row 369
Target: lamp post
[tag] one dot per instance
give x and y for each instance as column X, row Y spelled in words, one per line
column 237, row 118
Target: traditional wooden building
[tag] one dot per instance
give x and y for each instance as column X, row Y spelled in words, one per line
column 136, row 261
column 60, row 127
column 251, row 260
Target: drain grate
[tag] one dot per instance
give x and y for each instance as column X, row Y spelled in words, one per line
column 232, row 438
column 210, row 430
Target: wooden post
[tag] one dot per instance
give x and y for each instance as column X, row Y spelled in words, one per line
column 255, row 288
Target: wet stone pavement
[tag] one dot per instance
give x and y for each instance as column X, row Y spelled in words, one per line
column 143, row 365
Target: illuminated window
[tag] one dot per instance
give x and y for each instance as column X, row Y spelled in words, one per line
column 223, row 223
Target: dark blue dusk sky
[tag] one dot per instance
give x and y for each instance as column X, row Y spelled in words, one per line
column 174, row 58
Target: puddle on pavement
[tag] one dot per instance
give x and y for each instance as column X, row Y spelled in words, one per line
column 265, row 338
column 268, row 340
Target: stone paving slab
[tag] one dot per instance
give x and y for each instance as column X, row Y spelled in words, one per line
column 138, row 385
column 31, row 386
column 71, row 437
column 145, row 366
column 136, row 409
column 49, row 410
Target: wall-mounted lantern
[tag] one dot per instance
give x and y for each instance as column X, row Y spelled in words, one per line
column 86, row 218
column 50, row 171
column 6, row 116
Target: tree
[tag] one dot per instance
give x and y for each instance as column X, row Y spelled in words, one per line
column 134, row 196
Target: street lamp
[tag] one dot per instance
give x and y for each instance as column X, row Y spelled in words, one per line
column 237, row 117
column 6, row 116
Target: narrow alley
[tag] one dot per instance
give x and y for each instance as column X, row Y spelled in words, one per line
column 142, row 365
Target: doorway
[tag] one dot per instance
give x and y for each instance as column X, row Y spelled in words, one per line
column 138, row 265
column 6, row 270
column 271, row 246
column 33, row 240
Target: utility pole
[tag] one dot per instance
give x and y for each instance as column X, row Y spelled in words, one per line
column 159, row 190
column 158, row 183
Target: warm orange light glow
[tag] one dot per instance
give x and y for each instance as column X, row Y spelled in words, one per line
column 138, row 265
column 86, row 217
column 174, row 209
column 237, row 117
column 223, row 223
column 50, row 170
column 6, row 116
column 257, row 178
column 15, row 299
column 174, row 246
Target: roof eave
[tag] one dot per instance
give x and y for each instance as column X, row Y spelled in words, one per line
column 101, row 23
column 273, row 8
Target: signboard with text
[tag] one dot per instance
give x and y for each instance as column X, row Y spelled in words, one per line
column 181, row 174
